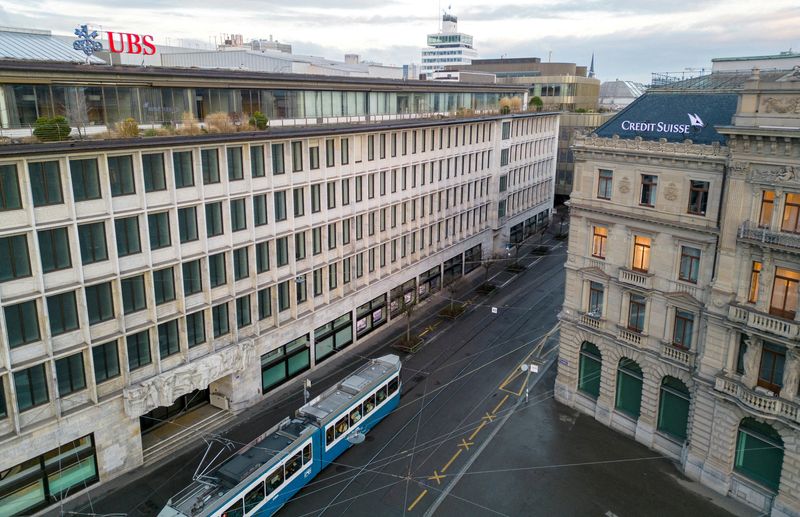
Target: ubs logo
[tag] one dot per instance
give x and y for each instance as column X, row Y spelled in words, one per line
column 118, row 42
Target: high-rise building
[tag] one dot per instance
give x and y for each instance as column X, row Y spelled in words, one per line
column 681, row 319
column 190, row 275
column 447, row 47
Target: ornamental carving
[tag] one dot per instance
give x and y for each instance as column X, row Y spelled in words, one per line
column 625, row 185
column 785, row 105
column 671, row 192
column 162, row 390
column 637, row 144
column 785, row 174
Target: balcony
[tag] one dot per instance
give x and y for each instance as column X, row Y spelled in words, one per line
column 591, row 321
column 679, row 355
column 750, row 231
column 630, row 337
column 763, row 404
column 636, row 278
column 759, row 320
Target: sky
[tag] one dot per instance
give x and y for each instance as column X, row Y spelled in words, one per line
column 629, row 38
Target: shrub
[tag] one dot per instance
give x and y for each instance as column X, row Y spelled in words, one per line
column 128, row 128
column 259, row 120
column 219, row 122
column 505, row 105
column 536, row 103
column 189, row 125
column 53, row 129
column 516, row 103
column 150, row 132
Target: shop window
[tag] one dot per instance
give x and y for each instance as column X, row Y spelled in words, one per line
column 589, row 368
column 629, row 388
column 759, row 453
column 673, row 408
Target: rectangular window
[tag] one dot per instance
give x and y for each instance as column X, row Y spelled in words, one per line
column 260, row 210
column 283, row 296
column 315, row 198
column 770, row 371
column 153, row 172
column 636, row 310
column 187, row 224
column 784, row 293
column 238, row 215
column 210, row 161
column 359, row 185
column 648, row 194
column 138, row 350
column 235, row 165
column 300, row 245
column 370, row 147
column 22, row 323
column 277, row 159
column 506, row 134
column 196, row 328
column 264, row 303
column 133, row 294
column 45, row 183
column 690, row 264
column 183, row 166
column 297, row 156
column 243, row 316
column 298, row 201
column 127, row 233
column 192, row 277
column 219, row 316
column 332, row 236
column 282, row 251
column 70, row 374
column 99, row 302
column 332, row 279
column 316, row 240
column 106, row 361
column 54, row 249
column 62, row 313
column 755, row 275
column 31, row 387
column 301, row 288
column 698, row 197
column 257, row 161
column 605, row 184
column 767, row 207
column 684, row 325
column 596, row 292
column 345, row 191
column 279, row 199
column 791, row 213
column 85, row 180
column 641, row 254
column 214, row 223
column 599, row 238
column 318, row 282
column 262, row 257
column 345, row 147
column 92, row 238
column 331, row 195
column 120, row 172
column 241, row 268
column 383, row 146
column 216, row 270
column 330, row 154
column 503, row 157
column 164, row 285
column 313, row 157
column 9, row 188
column 168, row 340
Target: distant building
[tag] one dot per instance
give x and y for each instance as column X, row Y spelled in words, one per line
column 783, row 61
column 615, row 95
column 570, row 126
column 447, row 47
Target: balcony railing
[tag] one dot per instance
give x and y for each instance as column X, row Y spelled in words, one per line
column 750, row 231
column 630, row 337
column 591, row 321
column 773, row 406
column 765, row 322
column 679, row 355
column 636, row 278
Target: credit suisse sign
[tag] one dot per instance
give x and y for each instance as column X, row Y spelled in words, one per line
column 695, row 122
column 118, row 42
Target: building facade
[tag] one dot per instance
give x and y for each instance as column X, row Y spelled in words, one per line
column 447, row 47
column 570, row 126
column 149, row 277
column 680, row 320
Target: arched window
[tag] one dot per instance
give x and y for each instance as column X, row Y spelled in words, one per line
column 759, row 453
column 589, row 367
column 673, row 408
column 629, row 387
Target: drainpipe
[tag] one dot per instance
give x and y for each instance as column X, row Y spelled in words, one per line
column 719, row 220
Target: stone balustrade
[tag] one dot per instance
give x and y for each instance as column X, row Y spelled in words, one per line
column 679, row 355
column 764, row 404
column 636, row 278
column 759, row 320
column 630, row 337
column 751, row 232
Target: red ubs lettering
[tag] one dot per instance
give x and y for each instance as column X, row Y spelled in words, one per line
column 119, row 42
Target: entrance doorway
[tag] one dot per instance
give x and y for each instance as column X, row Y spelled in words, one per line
column 183, row 404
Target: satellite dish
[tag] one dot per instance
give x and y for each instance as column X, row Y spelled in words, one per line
column 356, row 437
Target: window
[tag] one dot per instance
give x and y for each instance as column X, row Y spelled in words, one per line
column 784, row 293
column 315, row 201
column 755, row 275
column 298, row 203
column 216, row 270
column 770, row 371
column 63, row 313
column 262, row 257
column 187, row 224
column 99, row 302
column 54, row 249
column 332, row 276
column 168, row 341
column 138, row 350
column 133, row 294
column 31, row 386
column 759, row 453
column 636, row 310
column 332, row 236
column 330, row 155
column 159, row 230
column 235, row 166
column 596, row 291
column 345, row 191
column 120, row 172
column 214, row 224
column 331, row 195
column 673, row 408
column 257, row 161
column 153, row 172
column 767, row 207
column 243, row 317
column 690, row 264
column 238, row 215
column 599, row 238
column 506, row 130
column 22, row 323
column 629, row 388
column 196, row 328
column 252, row 499
column 283, row 296
column 301, row 288
column 210, row 162
column 605, row 184
column 164, row 285
column 698, row 197
column 45, row 183
column 345, row 151
column 641, row 253
column 14, row 258
column 260, row 210
column 9, row 188
column 264, row 303
column 241, row 267
column 92, row 238
column 684, row 325
column 70, row 374
column 316, row 240
column 183, row 166
column 318, row 289
column 371, row 147
column 282, row 251
column 300, row 246
column 192, row 278
column 297, row 156
column 85, row 180
column 648, row 194
column 277, row 159
column 127, row 233
column 106, row 361
column 279, row 198
column 791, row 213
column 589, row 368
column 219, row 317
column 313, row 157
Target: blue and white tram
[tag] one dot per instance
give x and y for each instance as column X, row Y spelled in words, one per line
column 262, row 476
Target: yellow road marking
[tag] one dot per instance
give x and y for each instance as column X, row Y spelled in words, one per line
column 465, row 444
column 488, row 417
column 498, row 406
column 437, row 477
column 428, row 329
column 418, row 499
column 444, row 469
column 476, row 431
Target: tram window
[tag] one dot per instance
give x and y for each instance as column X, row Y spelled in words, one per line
column 355, row 415
column 307, row 454
column 393, row 385
column 369, row 404
column 294, row 464
column 329, row 435
column 234, row 510
column 380, row 395
column 342, row 426
column 275, row 480
column 253, row 497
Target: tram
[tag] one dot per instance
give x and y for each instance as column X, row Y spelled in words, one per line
column 262, row 476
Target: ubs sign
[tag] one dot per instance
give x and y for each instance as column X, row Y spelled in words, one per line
column 118, row 42
column 695, row 124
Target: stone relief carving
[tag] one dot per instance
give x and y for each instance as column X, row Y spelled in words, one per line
column 671, row 192
column 785, row 174
column 163, row 389
column 775, row 105
column 752, row 356
column 791, row 377
column 672, row 148
column 625, row 185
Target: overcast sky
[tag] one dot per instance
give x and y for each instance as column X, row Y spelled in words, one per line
column 630, row 38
